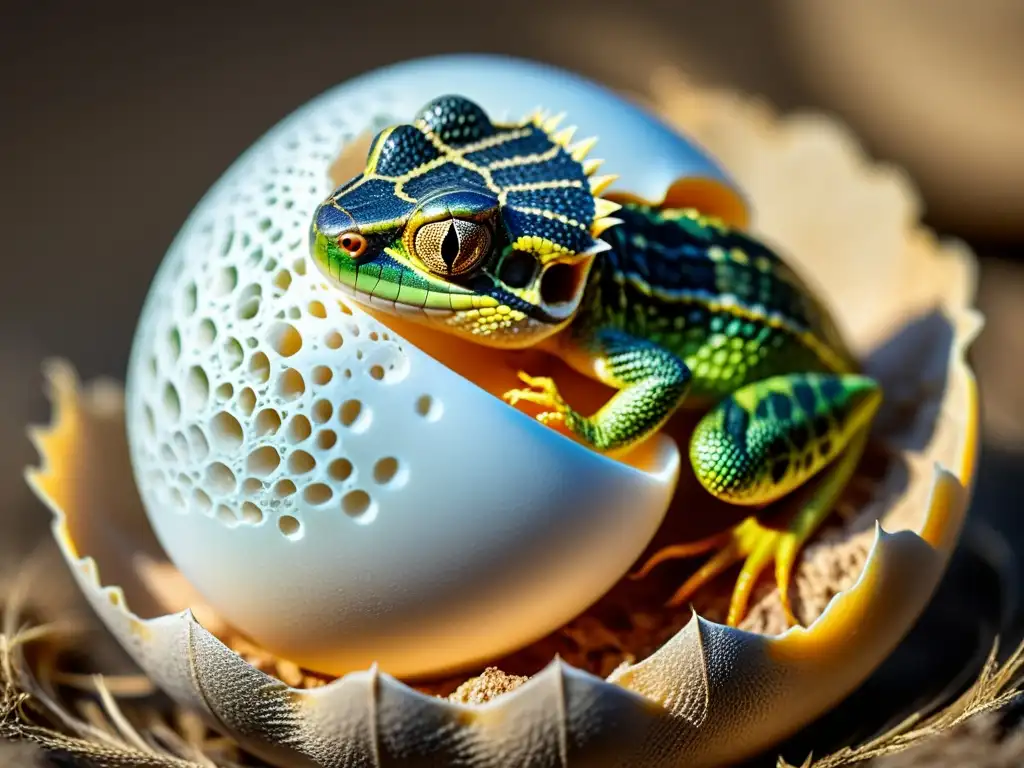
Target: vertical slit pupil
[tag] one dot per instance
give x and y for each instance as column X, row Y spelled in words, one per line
column 450, row 246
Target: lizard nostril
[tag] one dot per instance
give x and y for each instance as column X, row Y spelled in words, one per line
column 560, row 284
column 517, row 269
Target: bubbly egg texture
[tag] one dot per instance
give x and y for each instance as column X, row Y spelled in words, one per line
column 307, row 467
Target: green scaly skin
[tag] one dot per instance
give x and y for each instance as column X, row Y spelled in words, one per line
column 498, row 233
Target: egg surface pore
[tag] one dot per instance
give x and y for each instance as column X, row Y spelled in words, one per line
column 333, row 491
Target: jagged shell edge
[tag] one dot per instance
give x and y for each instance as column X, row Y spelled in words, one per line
column 710, row 694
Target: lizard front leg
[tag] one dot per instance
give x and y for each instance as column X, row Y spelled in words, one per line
column 652, row 382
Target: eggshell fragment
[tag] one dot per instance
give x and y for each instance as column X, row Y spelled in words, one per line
column 711, row 695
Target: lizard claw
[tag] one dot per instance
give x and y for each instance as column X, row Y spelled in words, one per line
column 551, row 418
column 543, row 383
column 543, row 392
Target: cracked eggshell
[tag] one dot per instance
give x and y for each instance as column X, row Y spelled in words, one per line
column 711, row 695
column 335, row 493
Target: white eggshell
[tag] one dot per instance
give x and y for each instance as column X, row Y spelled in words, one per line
column 329, row 488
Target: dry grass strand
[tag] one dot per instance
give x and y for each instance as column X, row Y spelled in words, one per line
column 997, row 686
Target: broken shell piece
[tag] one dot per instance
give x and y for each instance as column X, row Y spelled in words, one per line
column 711, row 694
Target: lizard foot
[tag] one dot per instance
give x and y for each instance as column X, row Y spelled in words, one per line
column 543, row 392
column 751, row 542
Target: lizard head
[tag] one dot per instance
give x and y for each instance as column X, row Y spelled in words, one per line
column 488, row 230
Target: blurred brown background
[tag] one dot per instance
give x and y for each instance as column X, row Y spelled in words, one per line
column 115, row 118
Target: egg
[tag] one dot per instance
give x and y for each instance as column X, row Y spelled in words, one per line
column 333, row 491
column 238, row 340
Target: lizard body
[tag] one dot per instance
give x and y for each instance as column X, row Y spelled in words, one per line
column 499, row 233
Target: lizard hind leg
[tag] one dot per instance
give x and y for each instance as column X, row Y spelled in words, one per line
column 758, row 445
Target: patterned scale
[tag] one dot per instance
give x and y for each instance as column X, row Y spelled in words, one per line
column 547, row 205
column 400, row 150
column 526, row 142
column 770, row 438
column 375, row 201
column 455, row 121
column 686, row 257
column 446, row 176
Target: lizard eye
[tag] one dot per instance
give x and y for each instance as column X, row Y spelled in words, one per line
column 352, row 243
column 452, row 246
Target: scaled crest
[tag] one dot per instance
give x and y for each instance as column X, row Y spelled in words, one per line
column 547, row 188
